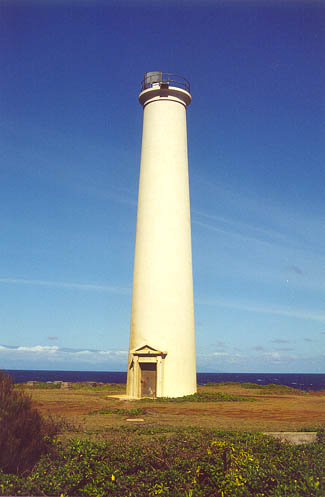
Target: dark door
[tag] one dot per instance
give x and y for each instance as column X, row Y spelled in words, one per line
column 148, row 379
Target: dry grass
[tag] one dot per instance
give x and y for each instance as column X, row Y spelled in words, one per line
column 275, row 410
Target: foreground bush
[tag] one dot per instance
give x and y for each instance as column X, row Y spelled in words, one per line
column 190, row 463
column 24, row 433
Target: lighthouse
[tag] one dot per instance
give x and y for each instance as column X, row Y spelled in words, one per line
column 161, row 361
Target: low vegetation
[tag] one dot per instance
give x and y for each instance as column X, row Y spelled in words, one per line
column 189, row 462
column 99, row 387
column 270, row 388
column 24, row 434
column 125, row 412
column 40, row 385
column 202, row 397
column 162, row 455
column 95, row 386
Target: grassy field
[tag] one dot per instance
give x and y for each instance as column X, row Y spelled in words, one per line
column 205, row 445
column 92, row 412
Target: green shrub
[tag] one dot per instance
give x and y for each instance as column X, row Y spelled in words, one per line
column 39, row 385
column 109, row 387
column 271, row 387
column 42, row 385
column 24, row 434
column 125, row 412
column 188, row 463
column 321, row 435
column 202, row 397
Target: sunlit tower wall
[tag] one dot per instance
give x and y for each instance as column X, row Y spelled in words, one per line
column 162, row 343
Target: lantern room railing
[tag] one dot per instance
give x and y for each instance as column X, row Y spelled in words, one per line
column 164, row 80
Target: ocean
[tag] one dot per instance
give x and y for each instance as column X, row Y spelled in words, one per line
column 314, row 382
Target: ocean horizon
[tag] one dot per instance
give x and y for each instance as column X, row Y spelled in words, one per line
column 302, row 381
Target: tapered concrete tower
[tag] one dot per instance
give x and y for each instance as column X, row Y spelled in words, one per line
column 162, row 343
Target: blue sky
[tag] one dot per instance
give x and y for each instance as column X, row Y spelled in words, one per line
column 71, row 130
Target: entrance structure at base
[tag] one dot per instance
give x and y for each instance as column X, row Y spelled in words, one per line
column 161, row 359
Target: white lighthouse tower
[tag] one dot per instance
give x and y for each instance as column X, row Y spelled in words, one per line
column 162, row 343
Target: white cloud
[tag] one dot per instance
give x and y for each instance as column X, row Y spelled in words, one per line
column 69, row 285
column 45, row 357
column 273, row 355
column 280, row 356
column 313, row 315
column 240, row 230
column 252, row 361
column 37, row 356
column 291, row 224
column 38, row 348
column 258, row 239
column 235, row 234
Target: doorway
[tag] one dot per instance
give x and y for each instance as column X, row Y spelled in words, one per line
column 148, row 379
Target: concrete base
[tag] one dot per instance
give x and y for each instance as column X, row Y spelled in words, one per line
column 121, row 397
column 294, row 437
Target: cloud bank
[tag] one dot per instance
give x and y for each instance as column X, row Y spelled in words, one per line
column 257, row 359
column 53, row 357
